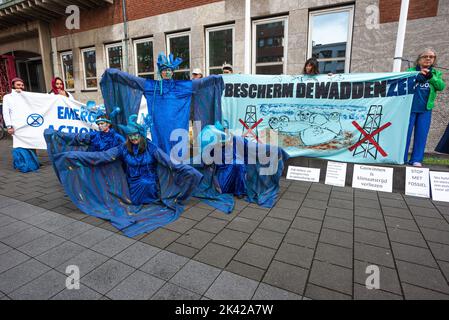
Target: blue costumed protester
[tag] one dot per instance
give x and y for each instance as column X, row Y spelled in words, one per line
column 242, row 168
column 134, row 185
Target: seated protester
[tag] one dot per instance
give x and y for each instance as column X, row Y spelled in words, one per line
column 102, row 140
column 57, row 87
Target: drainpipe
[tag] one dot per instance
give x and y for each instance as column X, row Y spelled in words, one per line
column 125, row 31
column 401, row 36
column 247, row 65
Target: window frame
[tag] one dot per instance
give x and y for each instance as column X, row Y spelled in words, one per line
column 61, row 54
column 254, row 44
column 347, row 58
column 136, row 66
column 106, row 51
column 214, row 29
column 83, row 65
column 178, row 35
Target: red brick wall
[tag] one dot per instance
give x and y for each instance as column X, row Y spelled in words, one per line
column 390, row 9
column 112, row 14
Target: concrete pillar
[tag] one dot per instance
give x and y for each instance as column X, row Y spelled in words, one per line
column 46, row 52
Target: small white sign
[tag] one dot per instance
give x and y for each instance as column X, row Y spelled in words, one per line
column 336, row 173
column 417, row 182
column 439, row 182
column 373, row 178
column 303, row 174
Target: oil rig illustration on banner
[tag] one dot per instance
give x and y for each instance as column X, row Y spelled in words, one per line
column 251, row 119
column 372, row 123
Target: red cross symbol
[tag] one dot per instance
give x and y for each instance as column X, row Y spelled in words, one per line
column 250, row 130
column 370, row 137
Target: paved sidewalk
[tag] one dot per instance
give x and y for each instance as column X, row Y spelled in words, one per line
column 316, row 243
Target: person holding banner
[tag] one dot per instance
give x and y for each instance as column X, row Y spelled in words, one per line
column 429, row 81
column 57, row 86
column 311, row 67
column 24, row 160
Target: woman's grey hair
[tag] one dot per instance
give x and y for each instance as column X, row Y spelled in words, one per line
column 427, row 50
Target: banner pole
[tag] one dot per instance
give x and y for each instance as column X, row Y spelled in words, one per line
column 401, row 36
column 247, row 66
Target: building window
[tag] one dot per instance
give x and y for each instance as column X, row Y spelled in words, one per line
column 67, row 70
column 89, row 68
column 330, row 36
column 114, row 56
column 219, row 48
column 143, row 55
column 270, row 46
column 179, row 45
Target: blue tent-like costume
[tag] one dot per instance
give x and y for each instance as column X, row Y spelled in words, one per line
column 99, row 185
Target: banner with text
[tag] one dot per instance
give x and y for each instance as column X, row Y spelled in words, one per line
column 32, row 113
column 345, row 117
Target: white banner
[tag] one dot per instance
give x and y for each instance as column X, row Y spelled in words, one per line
column 32, row 113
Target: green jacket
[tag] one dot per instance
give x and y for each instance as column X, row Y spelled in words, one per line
column 436, row 84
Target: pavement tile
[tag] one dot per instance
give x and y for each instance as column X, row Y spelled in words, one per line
column 231, row 238
column 243, row 224
column 164, row 265
column 229, row 286
column 4, row 248
column 72, row 230
column 86, row 261
column 413, row 254
column 196, row 277
column 172, row 292
column 407, row 237
column 388, row 280
column 181, row 225
column 195, row 238
column 83, row 293
column 41, row 245
column 22, row 210
column 107, row 276
column 422, row 276
column 267, row 292
column 212, row 225
column 315, row 204
column 23, row 237
column 113, row 245
column 13, row 228
column 319, row 293
column 398, row 213
column 432, row 223
column 342, row 204
column 182, row 250
column 137, row 254
column 370, row 224
column 307, row 224
column 40, row 218
column 315, row 195
column 368, row 213
column 282, row 213
column 342, row 195
column 161, row 238
column 317, row 214
column 55, row 223
column 245, row 270
column 286, row 276
column 363, row 293
column 366, row 203
column 338, row 224
column 295, row 255
column 253, row 214
column 275, row 224
column 138, row 286
column 21, row 274
column 371, row 237
column 331, row 276
column 439, row 250
column 393, row 203
column 60, row 254
column 404, row 224
column 444, row 267
column 42, row 288
column 301, row 238
column 196, row 213
column 266, row 238
column 425, row 212
column 288, row 204
column 435, row 235
column 255, row 255
column 340, row 213
column 374, row 255
column 418, row 202
column 94, row 221
column 91, row 237
column 5, row 220
column 339, row 238
column 334, row 254
column 412, row 292
column 215, row 255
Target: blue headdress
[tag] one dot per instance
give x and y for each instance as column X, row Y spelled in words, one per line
column 212, row 134
column 134, row 127
column 164, row 62
column 101, row 115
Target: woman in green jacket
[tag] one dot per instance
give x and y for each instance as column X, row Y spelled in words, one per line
column 428, row 82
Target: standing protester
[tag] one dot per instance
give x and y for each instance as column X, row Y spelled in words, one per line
column 197, row 74
column 57, row 86
column 227, row 69
column 24, row 160
column 311, row 67
column 443, row 145
column 428, row 82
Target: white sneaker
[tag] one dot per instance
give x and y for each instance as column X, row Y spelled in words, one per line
column 417, row 164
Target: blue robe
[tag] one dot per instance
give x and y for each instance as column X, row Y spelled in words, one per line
column 25, row 160
column 98, row 185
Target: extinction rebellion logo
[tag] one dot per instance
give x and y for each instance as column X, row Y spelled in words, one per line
column 35, row 120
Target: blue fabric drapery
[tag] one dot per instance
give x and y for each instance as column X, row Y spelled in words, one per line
column 25, row 160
